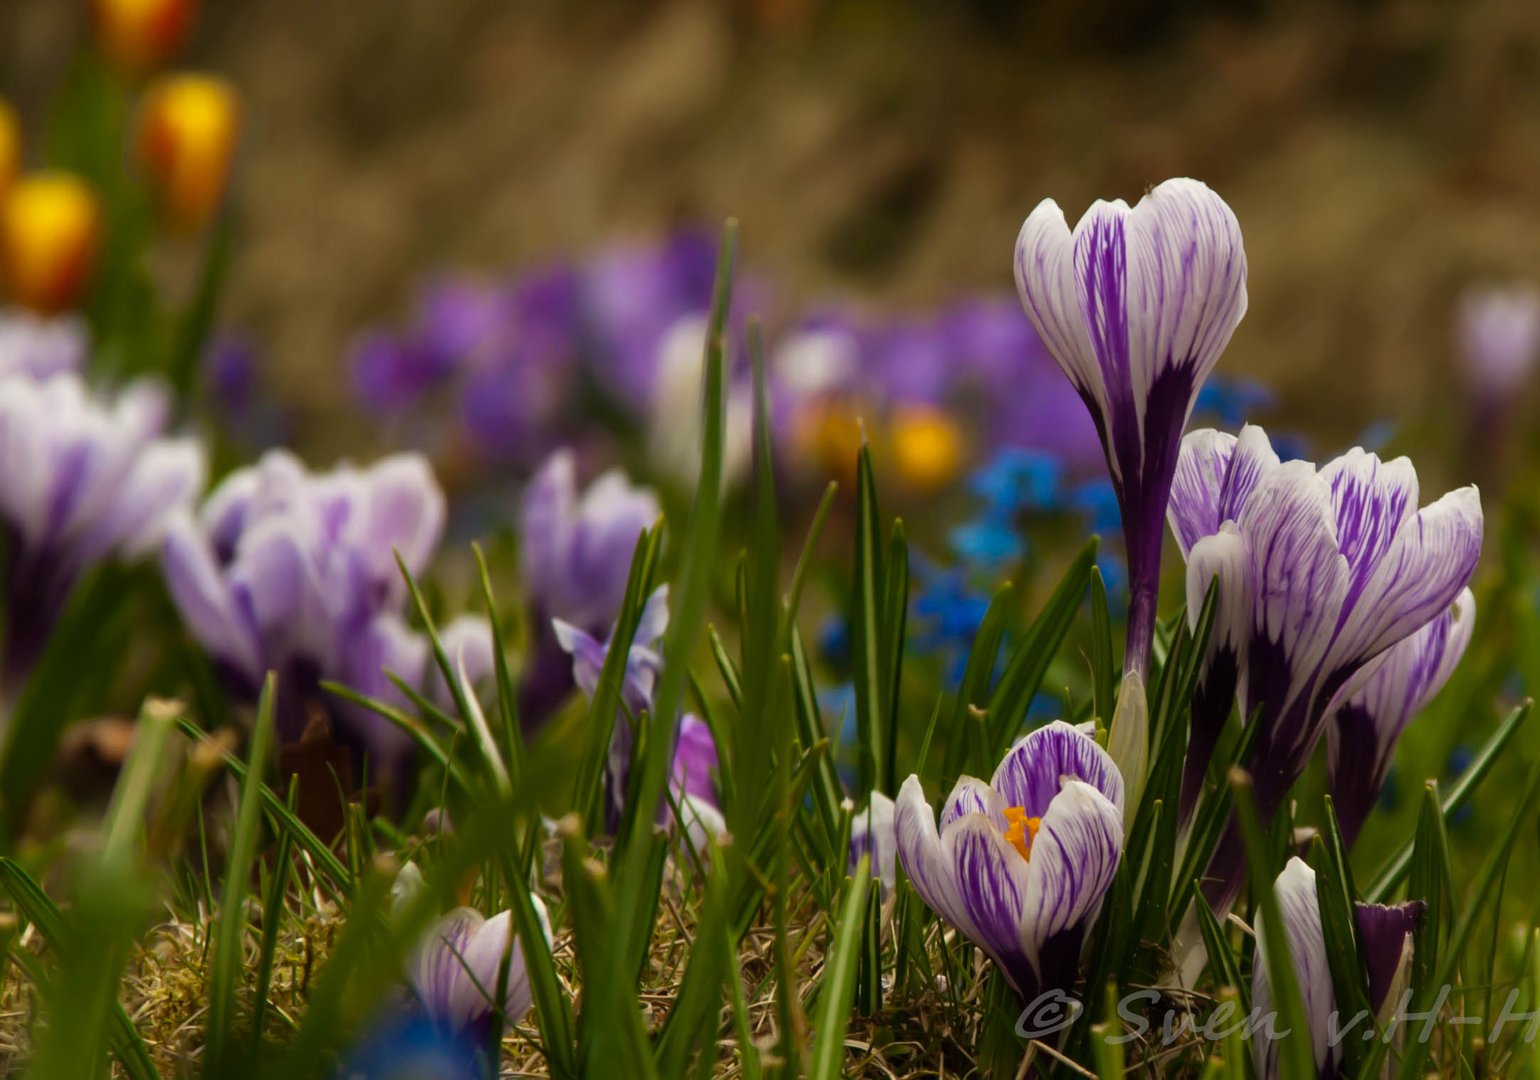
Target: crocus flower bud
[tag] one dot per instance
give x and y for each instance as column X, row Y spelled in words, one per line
column 50, row 225
column 1128, row 740
column 10, row 146
column 186, row 140
column 137, row 35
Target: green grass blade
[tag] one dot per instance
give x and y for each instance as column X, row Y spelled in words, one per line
column 837, row 991
column 1395, row 869
column 1296, row 1058
column 218, row 1059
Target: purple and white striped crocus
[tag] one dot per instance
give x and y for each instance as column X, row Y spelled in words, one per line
column 455, row 971
column 1320, row 572
column 1375, row 709
column 1021, row 864
column 1384, row 944
column 87, row 479
column 1136, row 305
column 693, row 770
column 293, row 571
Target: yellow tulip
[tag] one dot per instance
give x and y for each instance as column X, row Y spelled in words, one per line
column 186, row 140
column 139, row 35
column 50, row 228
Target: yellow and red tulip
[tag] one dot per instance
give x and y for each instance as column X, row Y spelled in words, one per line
column 186, row 140
column 139, row 35
column 50, row 229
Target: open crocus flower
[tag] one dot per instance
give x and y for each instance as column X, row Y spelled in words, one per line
column 1320, row 573
column 88, row 479
column 1021, row 864
column 1384, row 944
column 455, row 971
column 295, row 572
column 1365, row 727
column 1136, row 305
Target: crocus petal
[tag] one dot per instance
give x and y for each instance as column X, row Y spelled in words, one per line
column 694, row 767
column 992, row 887
column 1372, row 709
column 546, row 520
column 1370, row 498
column 871, row 833
column 971, row 795
column 1033, row 771
column 165, row 478
column 1201, row 468
column 194, row 582
column 1385, row 935
column 1073, row 861
column 1225, row 558
column 1301, row 914
column 1299, row 580
column 1426, row 565
column 587, row 654
column 920, row 853
column 1050, row 294
column 405, row 510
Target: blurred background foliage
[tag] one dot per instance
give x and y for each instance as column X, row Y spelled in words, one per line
column 1382, row 155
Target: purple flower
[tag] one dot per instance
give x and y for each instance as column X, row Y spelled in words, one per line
column 996, row 356
column 872, row 833
column 692, row 775
column 39, row 346
column 1320, row 572
column 392, row 372
column 1136, row 305
column 1021, row 864
column 88, row 480
column 295, row 572
column 631, row 297
column 1376, row 707
column 577, row 549
column 1384, row 943
column 455, row 971
column 1499, row 337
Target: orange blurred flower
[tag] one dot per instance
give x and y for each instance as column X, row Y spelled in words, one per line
column 186, row 139
column 50, row 228
column 10, row 147
column 139, row 35
column 926, row 446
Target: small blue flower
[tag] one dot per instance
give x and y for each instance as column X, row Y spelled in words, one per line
column 1098, row 501
column 1016, row 481
column 989, row 542
column 1232, row 401
column 407, row 1045
column 834, row 642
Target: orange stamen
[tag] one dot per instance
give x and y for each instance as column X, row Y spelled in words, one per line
column 1021, row 830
